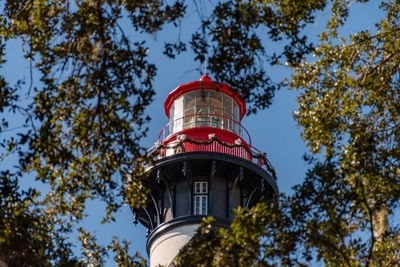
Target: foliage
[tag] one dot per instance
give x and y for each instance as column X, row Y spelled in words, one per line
column 29, row 237
column 262, row 236
column 94, row 253
column 84, row 116
column 349, row 110
column 349, row 114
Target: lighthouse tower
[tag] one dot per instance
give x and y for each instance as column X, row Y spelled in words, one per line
column 204, row 165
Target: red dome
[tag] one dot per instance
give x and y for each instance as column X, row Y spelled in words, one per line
column 205, row 78
column 204, row 83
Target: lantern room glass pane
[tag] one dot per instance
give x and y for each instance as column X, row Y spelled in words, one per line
column 189, row 109
column 228, row 116
column 236, row 112
column 171, row 113
column 178, row 113
column 171, row 119
column 236, row 117
column 216, row 100
column 202, row 101
column 202, row 107
column 216, row 109
column 228, row 106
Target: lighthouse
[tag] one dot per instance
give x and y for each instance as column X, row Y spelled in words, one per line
column 204, row 164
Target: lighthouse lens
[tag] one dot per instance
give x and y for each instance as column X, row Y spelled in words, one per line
column 205, row 108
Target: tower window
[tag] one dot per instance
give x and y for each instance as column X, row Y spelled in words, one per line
column 200, row 198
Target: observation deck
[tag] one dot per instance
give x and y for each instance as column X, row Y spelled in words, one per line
column 205, row 117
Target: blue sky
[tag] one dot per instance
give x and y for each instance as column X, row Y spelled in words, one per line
column 272, row 131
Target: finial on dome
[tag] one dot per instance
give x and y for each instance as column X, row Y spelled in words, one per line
column 205, row 78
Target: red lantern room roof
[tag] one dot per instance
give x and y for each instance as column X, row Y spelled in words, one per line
column 204, row 83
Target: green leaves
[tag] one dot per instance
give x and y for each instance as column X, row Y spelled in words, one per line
column 263, row 236
column 348, row 105
column 95, row 254
column 29, row 236
column 96, row 84
column 87, row 116
column 348, row 112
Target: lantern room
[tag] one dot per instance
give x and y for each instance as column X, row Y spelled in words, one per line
column 204, row 104
column 201, row 108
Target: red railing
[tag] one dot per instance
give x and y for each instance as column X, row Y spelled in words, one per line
column 262, row 160
column 183, row 146
column 187, row 146
column 170, row 142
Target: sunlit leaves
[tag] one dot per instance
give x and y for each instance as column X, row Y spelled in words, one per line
column 261, row 236
column 348, row 108
column 349, row 113
column 29, row 235
column 96, row 83
column 87, row 116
